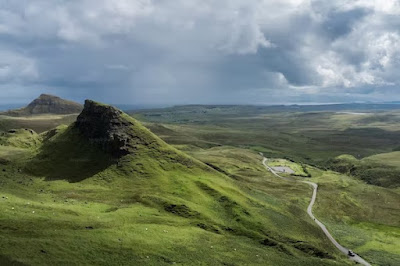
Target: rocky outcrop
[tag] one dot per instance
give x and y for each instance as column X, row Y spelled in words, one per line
column 106, row 127
column 47, row 104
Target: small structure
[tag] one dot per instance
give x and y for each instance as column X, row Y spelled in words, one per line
column 283, row 169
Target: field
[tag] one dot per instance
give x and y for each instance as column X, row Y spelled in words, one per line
column 65, row 202
column 95, row 221
column 387, row 159
column 362, row 217
column 310, row 137
column 382, row 169
column 313, row 138
column 38, row 123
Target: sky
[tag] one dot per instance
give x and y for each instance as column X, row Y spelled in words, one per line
column 200, row 51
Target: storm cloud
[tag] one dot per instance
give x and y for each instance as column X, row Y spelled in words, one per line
column 200, row 51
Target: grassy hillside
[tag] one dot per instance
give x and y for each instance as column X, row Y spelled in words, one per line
column 381, row 169
column 388, row 159
column 20, row 138
column 362, row 217
column 38, row 123
column 68, row 201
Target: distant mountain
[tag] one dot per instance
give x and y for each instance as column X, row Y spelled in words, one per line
column 47, row 104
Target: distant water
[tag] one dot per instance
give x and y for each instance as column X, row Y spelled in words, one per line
column 5, row 107
column 353, row 113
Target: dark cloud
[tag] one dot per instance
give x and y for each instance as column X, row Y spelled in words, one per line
column 339, row 23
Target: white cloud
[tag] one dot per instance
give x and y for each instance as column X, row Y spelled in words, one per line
column 379, row 53
column 384, row 6
column 94, row 21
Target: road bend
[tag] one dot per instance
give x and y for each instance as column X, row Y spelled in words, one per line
column 344, row 250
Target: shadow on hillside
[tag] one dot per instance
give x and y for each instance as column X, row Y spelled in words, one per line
column 6, row 261
column 68, row 156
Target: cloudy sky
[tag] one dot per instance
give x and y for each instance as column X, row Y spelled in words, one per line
column 200, row 51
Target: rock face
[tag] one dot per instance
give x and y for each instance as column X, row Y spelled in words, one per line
column 48, row 104
column 106, row 127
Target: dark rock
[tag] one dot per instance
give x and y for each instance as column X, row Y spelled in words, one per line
column 105, row 127
column 269, row 242
column 89, row 227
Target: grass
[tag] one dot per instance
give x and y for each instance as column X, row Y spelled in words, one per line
column 20, row 138
column 309, row 137
column 390, row 159
column 298, row 169
column 39, row 123
column 136, row 224
column 380, row 169
column 68, row 203
column 361, row 216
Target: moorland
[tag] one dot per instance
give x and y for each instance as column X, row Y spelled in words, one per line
column 186, row 185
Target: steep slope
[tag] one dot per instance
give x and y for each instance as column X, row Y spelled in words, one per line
column 47, row 104
column 107, row 191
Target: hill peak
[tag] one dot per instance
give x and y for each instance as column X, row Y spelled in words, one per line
column 47, row 104
column 47, row 96
column 112, row 130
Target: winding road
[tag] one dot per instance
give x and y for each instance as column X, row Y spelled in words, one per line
column 344, row 250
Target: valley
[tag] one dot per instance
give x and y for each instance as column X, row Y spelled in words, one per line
column 269, row 135
column 139, row 200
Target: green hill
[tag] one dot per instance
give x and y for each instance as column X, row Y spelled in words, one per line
column 107, row 191
column 381, row 169
column 391, row 159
